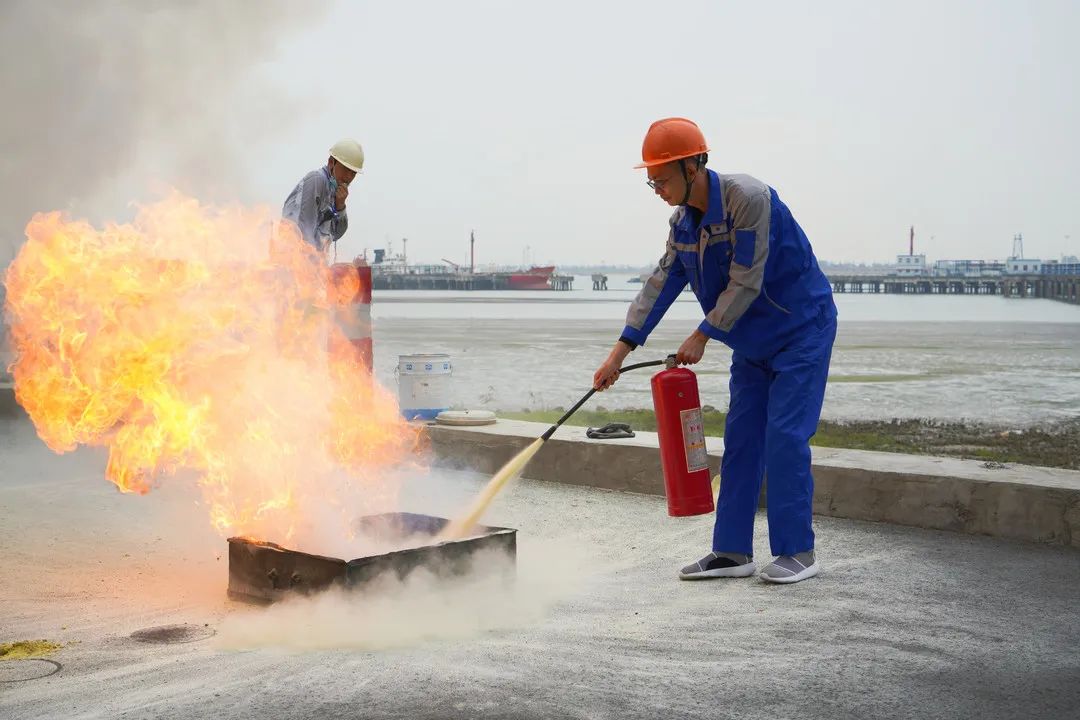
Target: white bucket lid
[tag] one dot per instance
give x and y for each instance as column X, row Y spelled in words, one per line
column 465, row 417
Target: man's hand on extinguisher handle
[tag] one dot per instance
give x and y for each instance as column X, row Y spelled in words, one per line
column 608, row 372
column 692, row 348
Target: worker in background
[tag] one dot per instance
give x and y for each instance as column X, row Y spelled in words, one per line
column 758, row 283
column 317, row 203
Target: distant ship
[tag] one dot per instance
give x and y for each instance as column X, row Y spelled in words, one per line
column 535, row 278
column 394, row 272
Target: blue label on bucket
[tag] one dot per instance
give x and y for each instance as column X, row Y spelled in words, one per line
column 421, row 413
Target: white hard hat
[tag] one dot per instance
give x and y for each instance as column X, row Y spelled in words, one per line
column 349, row 153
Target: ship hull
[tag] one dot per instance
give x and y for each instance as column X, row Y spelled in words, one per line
column 537, row 278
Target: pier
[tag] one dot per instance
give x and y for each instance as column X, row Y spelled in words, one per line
column 1064, row 288
column 562, row 282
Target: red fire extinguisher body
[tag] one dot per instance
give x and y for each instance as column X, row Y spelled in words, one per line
column 682, row 442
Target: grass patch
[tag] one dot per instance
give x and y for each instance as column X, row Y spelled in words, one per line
column 1053, row 445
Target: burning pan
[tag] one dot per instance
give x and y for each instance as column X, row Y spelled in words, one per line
column 264, row 572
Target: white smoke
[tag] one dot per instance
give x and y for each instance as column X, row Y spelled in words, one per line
column 96, row 91
column 392, row 613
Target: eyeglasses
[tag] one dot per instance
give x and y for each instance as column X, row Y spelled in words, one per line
column 658, row 184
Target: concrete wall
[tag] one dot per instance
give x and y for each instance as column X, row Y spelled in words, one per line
column 1019, row 502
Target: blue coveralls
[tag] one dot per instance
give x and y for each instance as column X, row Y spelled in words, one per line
column 757, row 280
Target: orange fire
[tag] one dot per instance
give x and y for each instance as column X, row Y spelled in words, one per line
column 196, row 339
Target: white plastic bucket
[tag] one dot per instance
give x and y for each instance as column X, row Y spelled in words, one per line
column 423, row 385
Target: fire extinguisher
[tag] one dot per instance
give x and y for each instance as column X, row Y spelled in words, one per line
column 680, row 426
column 682, row 436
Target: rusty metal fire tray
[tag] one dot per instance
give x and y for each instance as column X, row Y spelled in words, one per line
column 264, row 572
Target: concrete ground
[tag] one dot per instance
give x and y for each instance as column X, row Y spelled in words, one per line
column 903, row 623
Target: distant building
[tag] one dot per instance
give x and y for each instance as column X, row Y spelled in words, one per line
column 1023, row 266
column 910, row 265
column 1068, row 265
column 968, row 268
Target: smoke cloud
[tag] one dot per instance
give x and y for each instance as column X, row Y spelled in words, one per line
column 98, row 93
column 392, row 613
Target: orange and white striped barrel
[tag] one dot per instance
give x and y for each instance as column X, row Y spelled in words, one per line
column 352, row 308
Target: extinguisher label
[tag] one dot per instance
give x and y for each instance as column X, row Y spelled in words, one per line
column 693, row 432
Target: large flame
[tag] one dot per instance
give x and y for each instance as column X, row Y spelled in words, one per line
column 197, row 339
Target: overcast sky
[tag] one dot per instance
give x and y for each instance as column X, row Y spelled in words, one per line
column 523, row 120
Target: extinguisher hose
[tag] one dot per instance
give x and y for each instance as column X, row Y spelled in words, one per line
column 669, row 361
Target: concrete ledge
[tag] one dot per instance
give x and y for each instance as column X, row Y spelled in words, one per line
column 1018, row 501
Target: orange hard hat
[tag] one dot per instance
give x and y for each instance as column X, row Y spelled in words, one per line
column 671, row 139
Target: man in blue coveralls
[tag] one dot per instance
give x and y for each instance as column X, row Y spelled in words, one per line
column 757, row 280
